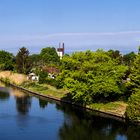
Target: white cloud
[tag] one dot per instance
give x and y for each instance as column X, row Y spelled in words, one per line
column 124, row 41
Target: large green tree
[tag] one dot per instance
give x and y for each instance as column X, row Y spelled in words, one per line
column 90, row 75
column 22, row 60
column 36, row 62
column 49, row 55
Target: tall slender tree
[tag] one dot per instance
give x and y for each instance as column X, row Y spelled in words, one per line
column 22, row 60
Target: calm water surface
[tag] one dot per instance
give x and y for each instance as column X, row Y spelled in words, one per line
column 24, row 117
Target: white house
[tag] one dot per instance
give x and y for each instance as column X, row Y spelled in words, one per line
column 33, row 77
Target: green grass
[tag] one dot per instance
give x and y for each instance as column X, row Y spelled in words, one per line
column 117, row 107
column 45, row 89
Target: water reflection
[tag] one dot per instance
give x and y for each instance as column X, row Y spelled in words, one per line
column 62, row 121
column 23, row 104
column 23, row 101
column 4, row 94
column 43, row 103
column 17, row 93
column 80, row 125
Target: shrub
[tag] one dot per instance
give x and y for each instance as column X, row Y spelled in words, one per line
column 133, row 109
column 51, row 82
column 42, row 77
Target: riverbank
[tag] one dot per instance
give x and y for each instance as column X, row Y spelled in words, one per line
column 116, row 108
column 41, row 114
column 107, row 112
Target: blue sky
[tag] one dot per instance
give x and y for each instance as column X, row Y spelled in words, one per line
column 81, row 24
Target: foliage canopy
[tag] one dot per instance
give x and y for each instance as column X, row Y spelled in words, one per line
column 90, row 75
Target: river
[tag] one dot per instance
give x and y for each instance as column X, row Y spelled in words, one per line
column 26, row 117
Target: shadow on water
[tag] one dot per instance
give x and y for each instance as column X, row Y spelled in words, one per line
column 4, row 94
column 43, row 103
column 82, row 125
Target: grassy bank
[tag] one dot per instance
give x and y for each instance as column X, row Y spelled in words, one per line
column 21, row 80
column 117, row 107
column 45, row 89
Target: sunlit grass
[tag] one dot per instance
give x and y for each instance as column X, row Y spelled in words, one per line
column 117, row 107
column 45, row 89
column 15, row 78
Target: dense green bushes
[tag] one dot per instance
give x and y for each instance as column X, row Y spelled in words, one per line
column 133, row 109
column 44, row 78
column 91, row 75
column 135, row 73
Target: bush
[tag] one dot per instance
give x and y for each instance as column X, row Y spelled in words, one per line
column 42, row 77
column 51, row 82
column 133, row 109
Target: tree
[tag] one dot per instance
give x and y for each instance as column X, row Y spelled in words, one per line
column 22, row 60
column 49, row 55
column 35, row 61
column 6, row 60
column 116, row 55
column 91, row 75
column 133, row 109
column 128, row 59
column 135, row 73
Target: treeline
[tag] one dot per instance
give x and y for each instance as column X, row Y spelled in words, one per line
column 90, row 77
column 24, row 62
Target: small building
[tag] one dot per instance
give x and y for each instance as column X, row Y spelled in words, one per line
column 33, row 77
column 60, row 50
